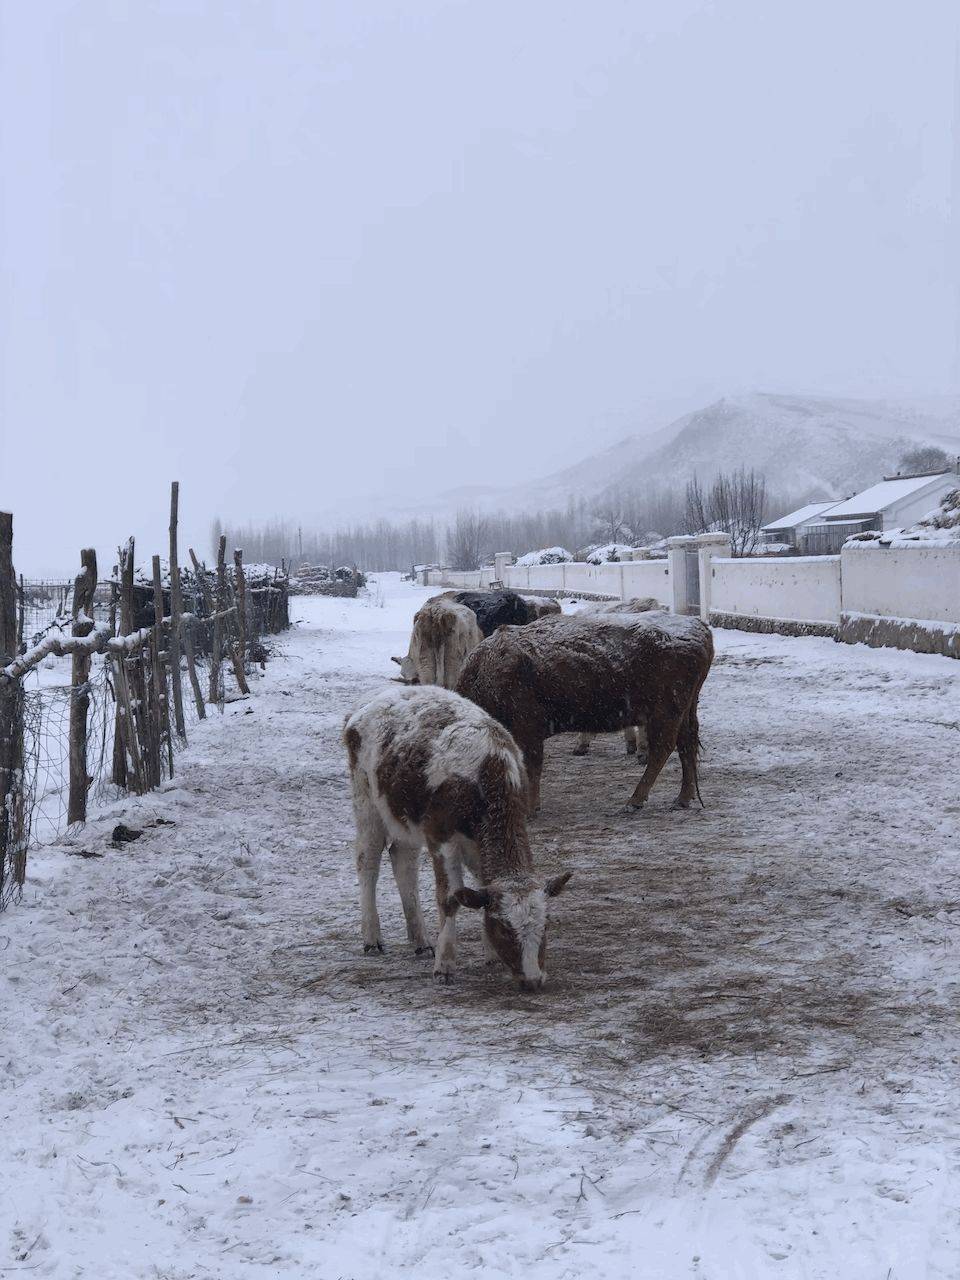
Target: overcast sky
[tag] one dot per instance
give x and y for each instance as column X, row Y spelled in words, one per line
column 301, row 253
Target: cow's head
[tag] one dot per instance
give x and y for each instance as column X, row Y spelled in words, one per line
column 515, row 923
column 408, row 669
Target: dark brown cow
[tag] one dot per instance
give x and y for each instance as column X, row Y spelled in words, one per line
column 634, row 734
column 597, row 674
column 430, row 769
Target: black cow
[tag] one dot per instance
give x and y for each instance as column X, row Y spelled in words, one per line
column 501, row 608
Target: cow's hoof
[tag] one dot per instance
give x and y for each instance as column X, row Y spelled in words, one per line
column 443, row 977
column 580, row 751
column 634, row 806
column 680, row 803
column 373, row 948
column 631, row 749
column 425, row 950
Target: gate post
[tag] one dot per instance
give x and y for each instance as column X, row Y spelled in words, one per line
column 708, row 546
column 680, row 601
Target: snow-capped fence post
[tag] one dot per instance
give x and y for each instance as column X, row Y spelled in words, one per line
column 84, row 587
column 240, row 649
column 176, row 611
column 13, row 854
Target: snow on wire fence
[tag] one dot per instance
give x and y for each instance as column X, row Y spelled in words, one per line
column 146, row 659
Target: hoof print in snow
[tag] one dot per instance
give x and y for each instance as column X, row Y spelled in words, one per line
column 84, row 853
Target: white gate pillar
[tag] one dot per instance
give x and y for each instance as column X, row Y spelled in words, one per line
column 708, row 546
column 677, row 560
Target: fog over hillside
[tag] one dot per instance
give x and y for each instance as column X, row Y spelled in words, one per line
column 804, row 445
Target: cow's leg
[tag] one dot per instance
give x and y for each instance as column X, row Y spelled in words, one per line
column 533, row 759
column 371, row 838
column 661, row 740
column 448, row 872
column 404, row 858
column 583, row 744
column 688, row 743
column 630, row 740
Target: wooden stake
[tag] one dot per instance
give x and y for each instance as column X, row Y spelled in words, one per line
column 192, row 671
column 21, row 647
column 159, row 675
column 83, row 591
column 176, row 611
column 127, row 724
column 124, row 590
column 240, row 649
column 218, row 624
column 13, row 854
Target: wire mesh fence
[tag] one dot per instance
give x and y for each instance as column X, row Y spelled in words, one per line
column 92, row 707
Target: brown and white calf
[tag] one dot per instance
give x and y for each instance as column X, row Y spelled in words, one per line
column 634, row 734
column 444, row 633
column 597, row 674
column 428, row 768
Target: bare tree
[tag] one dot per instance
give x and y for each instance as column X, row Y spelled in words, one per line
column 735, row 503
column 924, row 458
column 609, row 520
column 697, row 519
column 467, row 540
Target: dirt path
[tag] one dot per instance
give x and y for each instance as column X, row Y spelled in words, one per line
column 745, row 1064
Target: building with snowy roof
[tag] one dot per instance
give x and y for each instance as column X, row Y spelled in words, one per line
column 893, row 503
column 789, row 529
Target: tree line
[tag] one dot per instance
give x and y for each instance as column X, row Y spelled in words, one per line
column 631, row 515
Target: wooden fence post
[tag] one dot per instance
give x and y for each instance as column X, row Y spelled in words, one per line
column 84, row 587
column 218, row 623
column 159, row 675
column 13, row 854
column 240, row 652
column 21, row 647
column 176, row 611
column 121, row 732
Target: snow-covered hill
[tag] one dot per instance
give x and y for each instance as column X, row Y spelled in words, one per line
column 802, row 444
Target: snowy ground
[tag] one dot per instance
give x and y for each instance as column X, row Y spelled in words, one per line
column 745, row 1064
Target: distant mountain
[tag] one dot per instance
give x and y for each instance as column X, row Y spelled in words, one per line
column 804, row 446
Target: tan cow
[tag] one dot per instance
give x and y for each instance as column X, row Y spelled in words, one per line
column 444, row 635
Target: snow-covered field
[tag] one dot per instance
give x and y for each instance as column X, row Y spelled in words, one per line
column 745, row 1064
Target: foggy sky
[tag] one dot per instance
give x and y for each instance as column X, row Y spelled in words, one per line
column 299, row 254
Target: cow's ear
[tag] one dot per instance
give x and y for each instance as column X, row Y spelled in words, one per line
column 472, row 898
column 398, row 661
column 557, row 884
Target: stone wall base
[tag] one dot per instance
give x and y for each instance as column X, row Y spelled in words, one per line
column 900, row 633
column 778, row 626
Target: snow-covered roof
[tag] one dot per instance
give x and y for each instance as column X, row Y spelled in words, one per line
column 883, row 495
column 801, row 515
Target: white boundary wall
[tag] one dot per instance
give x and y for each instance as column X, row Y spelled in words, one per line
column 619, row 581
column 921, row 581
column 796, row 589
column 907, row 596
